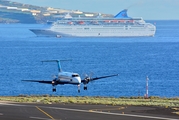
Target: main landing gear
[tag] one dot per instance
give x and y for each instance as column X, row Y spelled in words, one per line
column 54, row 85
column 54, row 89
column 85, row 87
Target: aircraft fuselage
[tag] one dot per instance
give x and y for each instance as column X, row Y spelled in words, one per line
column 68, row 78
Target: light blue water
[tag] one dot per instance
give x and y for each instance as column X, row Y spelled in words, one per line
column 133, row 58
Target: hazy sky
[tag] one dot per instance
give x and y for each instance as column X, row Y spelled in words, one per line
column 148, row 9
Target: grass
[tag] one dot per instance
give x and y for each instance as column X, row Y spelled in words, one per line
column 138, row 101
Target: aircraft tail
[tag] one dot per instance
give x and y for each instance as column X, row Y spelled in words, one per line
column 58, row 62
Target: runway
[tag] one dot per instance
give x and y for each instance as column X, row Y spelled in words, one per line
column 32, row 111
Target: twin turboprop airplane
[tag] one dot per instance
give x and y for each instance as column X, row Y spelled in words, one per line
column 68, row 78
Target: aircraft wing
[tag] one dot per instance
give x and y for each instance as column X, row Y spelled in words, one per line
column 97, row 78
column 39, row 81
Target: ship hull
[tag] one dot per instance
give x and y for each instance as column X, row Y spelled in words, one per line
column 99, row 31
column 44, row 33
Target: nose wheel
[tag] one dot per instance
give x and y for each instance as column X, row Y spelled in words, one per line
column 79, row 88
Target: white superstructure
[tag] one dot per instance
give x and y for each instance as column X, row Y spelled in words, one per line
column 119, row 26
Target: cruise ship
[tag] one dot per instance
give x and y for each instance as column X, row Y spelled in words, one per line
column 121, row 25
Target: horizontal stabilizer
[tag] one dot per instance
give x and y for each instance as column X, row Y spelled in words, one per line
column 58, row 62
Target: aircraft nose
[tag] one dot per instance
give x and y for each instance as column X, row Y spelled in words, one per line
column 79, row 80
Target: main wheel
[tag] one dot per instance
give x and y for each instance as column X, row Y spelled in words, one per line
column 85, row 88
column 54, row 89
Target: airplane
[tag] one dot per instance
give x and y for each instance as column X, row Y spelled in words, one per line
column 68, row 78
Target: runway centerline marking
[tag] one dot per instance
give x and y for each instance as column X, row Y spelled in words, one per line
column 45, row 113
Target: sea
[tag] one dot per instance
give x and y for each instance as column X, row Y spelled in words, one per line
column 133, row 58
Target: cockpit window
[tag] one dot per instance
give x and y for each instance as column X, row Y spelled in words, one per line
column 75, row 75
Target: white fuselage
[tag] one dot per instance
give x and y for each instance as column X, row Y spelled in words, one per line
column 69, row 78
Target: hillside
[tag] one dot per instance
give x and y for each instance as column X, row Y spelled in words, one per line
column 13, row 12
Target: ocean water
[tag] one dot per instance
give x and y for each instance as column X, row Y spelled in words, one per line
column 21, row 53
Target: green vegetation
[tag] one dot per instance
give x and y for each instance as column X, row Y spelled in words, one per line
column 138, row 101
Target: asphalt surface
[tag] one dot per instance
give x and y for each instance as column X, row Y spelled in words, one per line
column 31, row 111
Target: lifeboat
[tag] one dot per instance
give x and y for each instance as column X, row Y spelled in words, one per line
column 107, row 21
column 81, row 22
column 114, row 21
column 70, row 23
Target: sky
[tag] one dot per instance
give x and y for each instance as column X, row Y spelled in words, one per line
column 147, row 9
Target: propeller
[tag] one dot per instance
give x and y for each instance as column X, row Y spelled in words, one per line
column 88, row 78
